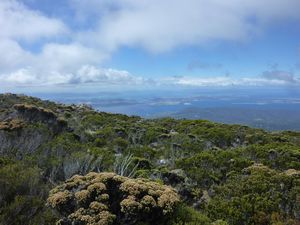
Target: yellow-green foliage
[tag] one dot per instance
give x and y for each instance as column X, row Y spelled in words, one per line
column 11, row 125
column 106, row 198
column 60, row 198
column 259, row 196
column 34, row 108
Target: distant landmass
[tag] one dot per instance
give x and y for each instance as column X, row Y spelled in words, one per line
column 270, row 110
column 270, row 119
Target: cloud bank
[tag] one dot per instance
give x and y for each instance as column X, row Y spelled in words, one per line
column 91, row 75
column 225, row 81
column 87, row 74
column 162, row 25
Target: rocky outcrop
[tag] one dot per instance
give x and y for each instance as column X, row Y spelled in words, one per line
column 35, row 114
column 18, row 141
column 24, row 128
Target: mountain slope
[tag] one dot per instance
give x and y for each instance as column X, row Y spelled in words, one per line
column 229, row 173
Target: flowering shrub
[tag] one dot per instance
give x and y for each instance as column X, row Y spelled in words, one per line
column 107, row 198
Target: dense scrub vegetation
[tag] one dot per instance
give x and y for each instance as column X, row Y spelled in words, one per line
column 224, row 174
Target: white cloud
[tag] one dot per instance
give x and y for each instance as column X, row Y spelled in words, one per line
column 12, row 55
column 91, row 74
column 223, row 81
column 104, row 77
column 161, row 25
column 21, row 23
column 54, row 58
column 67, row 57
column 22, row 76
column 53, row 61
column 86, row 74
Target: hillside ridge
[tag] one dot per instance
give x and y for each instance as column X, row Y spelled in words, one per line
column 224, row 174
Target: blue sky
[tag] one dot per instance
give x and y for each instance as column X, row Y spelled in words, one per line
column 133, row 44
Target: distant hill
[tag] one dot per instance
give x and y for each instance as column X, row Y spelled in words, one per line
column 269, row 119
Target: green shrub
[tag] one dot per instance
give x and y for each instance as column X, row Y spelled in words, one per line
column 185, row 215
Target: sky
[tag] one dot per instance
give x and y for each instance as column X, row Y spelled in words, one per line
column 55, row 45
